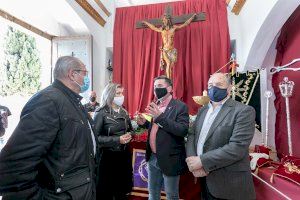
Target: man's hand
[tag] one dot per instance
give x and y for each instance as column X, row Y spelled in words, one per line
column 194, row 163
column 153, row 110
column 199, row 173
column 140, row 119
column 145, row 23
column 195, row 166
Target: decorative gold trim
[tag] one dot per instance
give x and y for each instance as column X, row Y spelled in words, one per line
column 271, row 186
column 102, row 6
column 246, row 86
column 91, row 11
column 146, row 190
column 290, row 168
column 24, row 24
column 139, row 194
column 253, row 87
column 283, row 177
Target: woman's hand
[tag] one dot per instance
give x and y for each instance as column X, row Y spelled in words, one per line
column 124, row 139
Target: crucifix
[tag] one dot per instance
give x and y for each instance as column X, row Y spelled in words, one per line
column 167, row 27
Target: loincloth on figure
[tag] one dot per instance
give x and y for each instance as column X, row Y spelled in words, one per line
column 171, row 55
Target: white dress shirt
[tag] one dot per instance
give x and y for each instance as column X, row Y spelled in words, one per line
column 209, row 119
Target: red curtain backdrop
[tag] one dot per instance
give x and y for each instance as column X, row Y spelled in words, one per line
column 202, row 48
column 288, row 49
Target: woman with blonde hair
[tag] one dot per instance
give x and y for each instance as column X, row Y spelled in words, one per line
column 113, row 128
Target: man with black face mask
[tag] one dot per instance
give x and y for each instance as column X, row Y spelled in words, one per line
column 92, row 104
column 217, row 148
column 165, row 151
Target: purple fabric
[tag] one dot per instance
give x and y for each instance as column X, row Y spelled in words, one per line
column 140, row 173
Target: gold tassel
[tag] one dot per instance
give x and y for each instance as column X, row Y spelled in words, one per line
column 256, row 171
column 272, row 178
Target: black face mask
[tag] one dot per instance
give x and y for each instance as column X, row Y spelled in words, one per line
column 92, row 99
column 160, row 92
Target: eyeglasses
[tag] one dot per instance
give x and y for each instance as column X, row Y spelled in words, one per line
column 80, row 70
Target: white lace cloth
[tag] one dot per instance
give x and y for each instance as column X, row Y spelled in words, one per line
column 255, row 157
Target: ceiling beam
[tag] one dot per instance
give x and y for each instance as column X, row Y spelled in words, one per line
column 25, row 25
column 101, row 5
column 237, row 7
column 91, row 11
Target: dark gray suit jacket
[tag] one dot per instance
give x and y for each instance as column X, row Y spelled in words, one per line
column 225, row 151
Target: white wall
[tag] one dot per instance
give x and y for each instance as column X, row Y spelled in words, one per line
column 55, row 17
column 102, row 39
column 244, row 27
column 266, row 84
column 256, row 30
column 272, row 24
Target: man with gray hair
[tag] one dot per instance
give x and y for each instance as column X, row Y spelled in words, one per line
column 52, row 153
column 217, row 148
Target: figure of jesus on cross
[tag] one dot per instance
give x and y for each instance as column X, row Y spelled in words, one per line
column 167, row 30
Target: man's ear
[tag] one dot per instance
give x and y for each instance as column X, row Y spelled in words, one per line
column 169, row 89
column 229, row 89
column 71, row 74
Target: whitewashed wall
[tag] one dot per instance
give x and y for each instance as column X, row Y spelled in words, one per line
column 256, row 30
column 102, row 39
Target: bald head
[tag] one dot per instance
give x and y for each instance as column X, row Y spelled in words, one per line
column 220, row 80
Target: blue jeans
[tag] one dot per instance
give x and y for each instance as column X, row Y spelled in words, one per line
column 156, row 178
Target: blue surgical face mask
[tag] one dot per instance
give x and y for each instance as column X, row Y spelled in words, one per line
column 86, row 84
column 217, row 94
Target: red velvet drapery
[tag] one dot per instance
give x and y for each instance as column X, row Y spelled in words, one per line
column 202, row 48
column 287, row 50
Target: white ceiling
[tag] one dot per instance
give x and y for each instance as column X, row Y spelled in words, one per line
column 126, row 3
column 55, row 17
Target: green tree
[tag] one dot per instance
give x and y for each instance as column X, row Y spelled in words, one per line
column 21, row 70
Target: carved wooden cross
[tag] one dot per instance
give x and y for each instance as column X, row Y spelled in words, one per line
column 175, row 19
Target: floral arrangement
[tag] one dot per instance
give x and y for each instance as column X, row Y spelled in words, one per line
column 136, row 128
column 140, row 134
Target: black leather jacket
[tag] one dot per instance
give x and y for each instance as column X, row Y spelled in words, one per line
column 109, row 126
column 51, row 150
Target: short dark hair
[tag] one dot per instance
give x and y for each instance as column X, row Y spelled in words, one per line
column 167, row 80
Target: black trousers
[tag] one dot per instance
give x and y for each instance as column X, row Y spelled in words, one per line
column 205, row 194
column 114, row 175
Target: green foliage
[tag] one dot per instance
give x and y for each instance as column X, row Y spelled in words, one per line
column 21, row 69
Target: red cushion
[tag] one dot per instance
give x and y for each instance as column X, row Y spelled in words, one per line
column 289, row 169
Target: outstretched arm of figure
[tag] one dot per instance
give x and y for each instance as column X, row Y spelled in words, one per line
column 152, row 27
column 187, row 22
